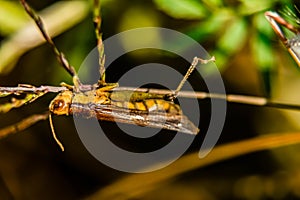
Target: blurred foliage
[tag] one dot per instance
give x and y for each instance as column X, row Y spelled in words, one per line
column 226, row 27
column 9, row 54
column 182, row 9
column 12, row 17
column 248, row 54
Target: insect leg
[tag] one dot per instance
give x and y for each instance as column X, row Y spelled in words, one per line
column 275, row 20
column 293, row 44
column 189, row 72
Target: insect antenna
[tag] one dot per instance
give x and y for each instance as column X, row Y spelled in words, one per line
column 188, row 73
column 59, row 55
column 97, row 23
column 54, row 135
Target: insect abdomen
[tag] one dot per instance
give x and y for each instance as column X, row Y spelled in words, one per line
column 150, row 105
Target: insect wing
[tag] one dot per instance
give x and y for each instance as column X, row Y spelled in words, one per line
column 136, row 117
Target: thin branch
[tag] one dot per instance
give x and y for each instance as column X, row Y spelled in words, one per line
column 97, row 23
column 15, row 103
column 30, row 89
column 22, row 125
column 231, row 98
column 60, row 56
column 34, row 92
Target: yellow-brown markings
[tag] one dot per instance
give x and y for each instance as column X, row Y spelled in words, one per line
column 151, row 105
column 130, row 105
column 140, row 106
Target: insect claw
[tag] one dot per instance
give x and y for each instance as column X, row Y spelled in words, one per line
column 204, row 61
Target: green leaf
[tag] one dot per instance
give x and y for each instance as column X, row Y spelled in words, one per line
column 254, row 6
column 213, row 3
column 234, row 37
column 262, row 25
column 263, row 56
column 262, row 53
column 210, row 26
column 182, row 9
column 261, row 44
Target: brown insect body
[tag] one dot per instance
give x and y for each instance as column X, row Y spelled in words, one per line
column 139, row 108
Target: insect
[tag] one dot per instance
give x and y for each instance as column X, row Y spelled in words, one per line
column 292, row 44
column 102, row 101
column 109, row 102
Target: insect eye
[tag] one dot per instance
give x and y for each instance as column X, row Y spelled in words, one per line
column 59, row 104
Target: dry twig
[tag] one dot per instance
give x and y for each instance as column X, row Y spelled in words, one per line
column 22, row 125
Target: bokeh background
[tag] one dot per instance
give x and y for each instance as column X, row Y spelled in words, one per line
column 250, row 57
